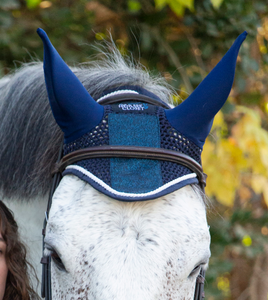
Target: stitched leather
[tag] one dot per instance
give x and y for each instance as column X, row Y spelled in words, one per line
column 132, row 152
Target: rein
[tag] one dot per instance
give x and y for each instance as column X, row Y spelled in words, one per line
column 122, row 152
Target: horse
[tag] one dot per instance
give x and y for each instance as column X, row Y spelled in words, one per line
column 127, row 213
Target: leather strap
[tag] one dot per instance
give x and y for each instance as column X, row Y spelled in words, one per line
column 199, row 293
column 132, row 152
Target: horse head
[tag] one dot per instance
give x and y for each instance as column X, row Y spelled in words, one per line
column 129, row 226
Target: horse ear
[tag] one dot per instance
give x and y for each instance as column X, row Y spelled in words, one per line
column 75, row 111
column 194, row 117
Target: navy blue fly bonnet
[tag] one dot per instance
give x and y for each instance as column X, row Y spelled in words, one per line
column 131, row 122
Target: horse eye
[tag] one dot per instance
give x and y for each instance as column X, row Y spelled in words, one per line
column 195, row 270
column 58, row 262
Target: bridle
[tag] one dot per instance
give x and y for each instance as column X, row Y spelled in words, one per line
column 121, row 152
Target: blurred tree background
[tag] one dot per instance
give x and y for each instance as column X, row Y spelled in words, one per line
column 183, row 40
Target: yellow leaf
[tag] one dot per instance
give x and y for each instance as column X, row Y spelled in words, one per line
column 247, row 241
column 208, row 151
column 176, row 99
column 260, row 185
column 31, row 4
column 265, row 193
column 257, row 183
column 100, row 36
column 266, row 107
column 186, row 3
column 133, row 5
column 219, row 120
column 223, row 284
column 216, row 3
column 223, row 162
column 219, row 126
column 159, row 4
column 177, row 7
column 252, row 140
column 264, row 156
column 244, row 193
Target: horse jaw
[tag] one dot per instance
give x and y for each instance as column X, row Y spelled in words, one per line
column 116, row 250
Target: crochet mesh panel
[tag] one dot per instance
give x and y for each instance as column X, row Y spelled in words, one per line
column 173, row 140
column 99, row 136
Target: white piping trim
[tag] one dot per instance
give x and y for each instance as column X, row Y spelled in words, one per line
column 113, row 191
column 118, row 93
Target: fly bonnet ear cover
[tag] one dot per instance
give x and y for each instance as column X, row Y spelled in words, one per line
column 86, row 123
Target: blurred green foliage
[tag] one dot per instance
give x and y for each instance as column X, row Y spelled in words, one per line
column 236, row 235
column 183, row 40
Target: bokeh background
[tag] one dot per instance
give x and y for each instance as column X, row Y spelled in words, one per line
column 182, row 40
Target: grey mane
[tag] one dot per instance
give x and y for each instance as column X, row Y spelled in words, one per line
column 30, row 137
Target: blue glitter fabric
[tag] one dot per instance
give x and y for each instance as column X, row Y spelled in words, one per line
column 134, row 175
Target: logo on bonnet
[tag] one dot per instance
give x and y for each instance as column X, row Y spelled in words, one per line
column 133, row 106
